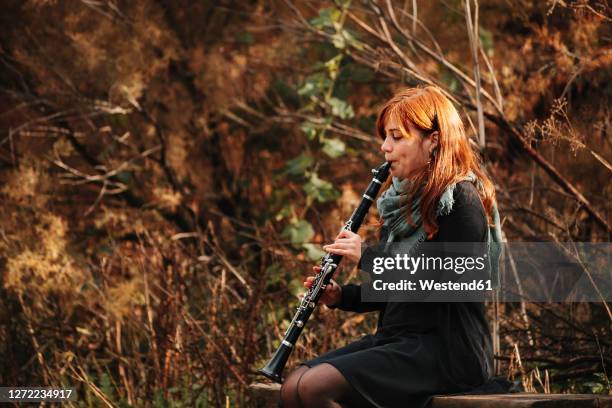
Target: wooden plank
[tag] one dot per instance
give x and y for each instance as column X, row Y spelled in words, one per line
column 264, row 395
column 523, row 400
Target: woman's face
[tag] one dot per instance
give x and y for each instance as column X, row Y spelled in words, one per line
column 406, row 154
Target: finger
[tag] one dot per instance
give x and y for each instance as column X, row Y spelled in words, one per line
column 333, row 249
column 346, row 234
column 331, row 245
column 337, row 251
column 342, row 234
column 347, row 241
column 340, row 245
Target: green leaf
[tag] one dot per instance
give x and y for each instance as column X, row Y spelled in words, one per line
column 333, row 65
column 595, row 388
column 314, row 85
column 326, row 18
column 320, row 190
column 343, row 38
column 283, row 213
column 351, row 39
column 309, row 129
column 339, row 41
column 308, row 89
column 341, row 108
column 314, row 252
column 298, row 232
column 298, row 165
column 334, row 147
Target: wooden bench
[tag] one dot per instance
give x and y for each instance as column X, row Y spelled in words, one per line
column 265, row 395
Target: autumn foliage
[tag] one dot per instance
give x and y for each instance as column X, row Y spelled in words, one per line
column 170, row 171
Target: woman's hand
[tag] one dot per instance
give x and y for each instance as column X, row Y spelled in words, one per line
column 347, row 244
column 333, row 292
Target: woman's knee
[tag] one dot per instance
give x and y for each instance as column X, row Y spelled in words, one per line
column 288, row 392
column 320, row 384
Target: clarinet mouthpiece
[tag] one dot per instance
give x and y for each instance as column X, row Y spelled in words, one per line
column 383, row 167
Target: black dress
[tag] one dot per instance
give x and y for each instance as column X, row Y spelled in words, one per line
column 421, row 349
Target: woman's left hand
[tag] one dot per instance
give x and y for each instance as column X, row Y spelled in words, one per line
column 347, row 244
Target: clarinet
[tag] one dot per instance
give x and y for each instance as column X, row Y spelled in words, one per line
column 329, row 263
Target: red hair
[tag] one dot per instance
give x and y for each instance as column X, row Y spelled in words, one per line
column 429, row 110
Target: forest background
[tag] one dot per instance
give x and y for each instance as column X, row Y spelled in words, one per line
column 170, row 169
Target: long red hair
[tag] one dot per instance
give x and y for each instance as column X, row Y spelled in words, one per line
column 429, row 110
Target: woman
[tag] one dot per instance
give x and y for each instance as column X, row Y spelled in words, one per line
column 438, row 193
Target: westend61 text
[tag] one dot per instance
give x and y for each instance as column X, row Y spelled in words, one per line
column 411, row 264
column 429, row 285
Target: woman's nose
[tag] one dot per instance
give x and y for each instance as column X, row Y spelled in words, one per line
column 385, row 147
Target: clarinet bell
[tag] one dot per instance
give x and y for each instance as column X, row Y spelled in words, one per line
column 275, row 366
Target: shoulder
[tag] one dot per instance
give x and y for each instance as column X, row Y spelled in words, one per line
column 467, row 222
column 465, row 194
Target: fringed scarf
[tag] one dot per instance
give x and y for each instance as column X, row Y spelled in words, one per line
column 393, row 205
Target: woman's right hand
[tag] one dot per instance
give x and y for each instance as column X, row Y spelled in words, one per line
column 333, row 292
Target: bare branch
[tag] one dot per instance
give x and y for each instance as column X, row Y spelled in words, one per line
column 473, row 36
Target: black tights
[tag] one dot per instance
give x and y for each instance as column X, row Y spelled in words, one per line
column 321, row 386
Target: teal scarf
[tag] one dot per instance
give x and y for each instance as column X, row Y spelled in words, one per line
column 393, row 205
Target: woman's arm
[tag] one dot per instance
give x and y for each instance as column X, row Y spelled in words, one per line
column 343, row 297
column 350, row 300
column 349, row 245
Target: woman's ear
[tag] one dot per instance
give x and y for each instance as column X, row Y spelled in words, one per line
column 434, row 136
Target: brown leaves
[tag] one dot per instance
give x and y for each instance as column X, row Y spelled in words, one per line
column 232, row 144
